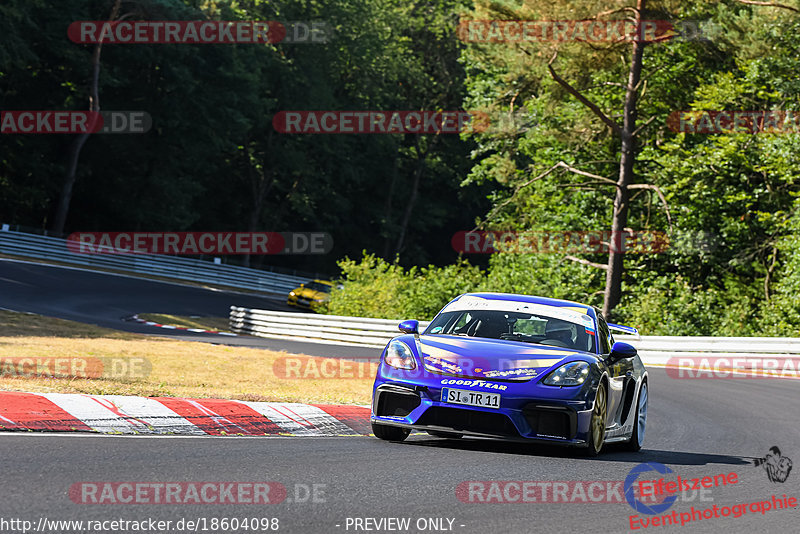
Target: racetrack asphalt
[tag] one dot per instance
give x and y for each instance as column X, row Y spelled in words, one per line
column 105, row 299
column 696, row 427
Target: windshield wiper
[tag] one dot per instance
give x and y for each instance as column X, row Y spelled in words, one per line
column 525, row 338
column 517, row 337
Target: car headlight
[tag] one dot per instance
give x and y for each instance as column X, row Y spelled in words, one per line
column 291, row 293
column 569, row 374
column 399, row 356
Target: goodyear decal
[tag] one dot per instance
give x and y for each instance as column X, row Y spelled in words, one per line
column 473, row 383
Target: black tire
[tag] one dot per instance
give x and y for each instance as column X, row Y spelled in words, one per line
column 597, row 425
column 448, row 435
column 640, row 424
column 390, row 433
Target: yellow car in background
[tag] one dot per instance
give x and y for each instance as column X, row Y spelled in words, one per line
column 310, row 296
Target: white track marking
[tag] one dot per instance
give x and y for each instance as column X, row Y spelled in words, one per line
column 120, row 413
column 301, row 419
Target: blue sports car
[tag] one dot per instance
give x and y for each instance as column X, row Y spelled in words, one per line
column 513, row 367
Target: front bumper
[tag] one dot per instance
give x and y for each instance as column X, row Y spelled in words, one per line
column 304, row 303
column 528, row 411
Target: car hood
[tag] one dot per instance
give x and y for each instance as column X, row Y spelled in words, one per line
column 490, row 358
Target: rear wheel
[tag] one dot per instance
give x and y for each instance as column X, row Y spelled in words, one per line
column 597, row 425
column 639, row 426
column 390, row 433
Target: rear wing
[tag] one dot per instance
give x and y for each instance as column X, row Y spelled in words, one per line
column 623, row 329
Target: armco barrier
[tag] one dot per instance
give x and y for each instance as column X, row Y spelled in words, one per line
column 654, row 350
column 660, row 348
column 54, row 249
column 318, row 328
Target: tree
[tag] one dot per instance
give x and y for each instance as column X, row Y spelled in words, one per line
column 595, row 65
column 77, row 145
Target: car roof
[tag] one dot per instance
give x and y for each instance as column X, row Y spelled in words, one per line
column 513, row 297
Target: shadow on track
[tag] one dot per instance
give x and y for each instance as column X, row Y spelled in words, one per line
column 613, row 452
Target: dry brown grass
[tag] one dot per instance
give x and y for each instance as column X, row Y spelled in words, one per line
column 178, row 368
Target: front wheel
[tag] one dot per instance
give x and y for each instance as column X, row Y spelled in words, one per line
column 639, row 426
column 390, row 433
column 597, row 426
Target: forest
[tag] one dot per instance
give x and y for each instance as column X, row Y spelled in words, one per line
column 627, row 117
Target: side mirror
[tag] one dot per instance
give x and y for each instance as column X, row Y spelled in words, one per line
column 409, row 327
column 621, row 351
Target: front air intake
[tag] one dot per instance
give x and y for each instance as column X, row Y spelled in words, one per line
column 495, row 424
column 551, row 421
column 395, row 401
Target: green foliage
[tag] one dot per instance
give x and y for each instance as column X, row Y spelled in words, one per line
column 665, row 305
column 780, row 315
column 547, row 275
column 214, row 161
column 670, row 306
column 374, row 287
column 733, row 266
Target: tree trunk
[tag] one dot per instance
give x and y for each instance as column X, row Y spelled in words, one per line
column 75, row 148
column 409, row 207
column 418, row 172
column 260, row 185
column 387, row 209
column 613, row 290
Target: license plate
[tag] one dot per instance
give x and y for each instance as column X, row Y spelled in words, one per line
column 471, row 398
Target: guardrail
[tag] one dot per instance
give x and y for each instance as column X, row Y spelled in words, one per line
column 54, row 249
column 657, row 348
column 337, row 329
column 366, row 332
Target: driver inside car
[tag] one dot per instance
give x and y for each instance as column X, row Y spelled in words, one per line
column 562, row 333
column 492, row 326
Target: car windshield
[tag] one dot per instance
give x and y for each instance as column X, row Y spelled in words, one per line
column 515, row 326
column 318, row 286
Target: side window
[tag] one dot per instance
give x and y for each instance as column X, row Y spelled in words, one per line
column 604, row 336
column 465, row 318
